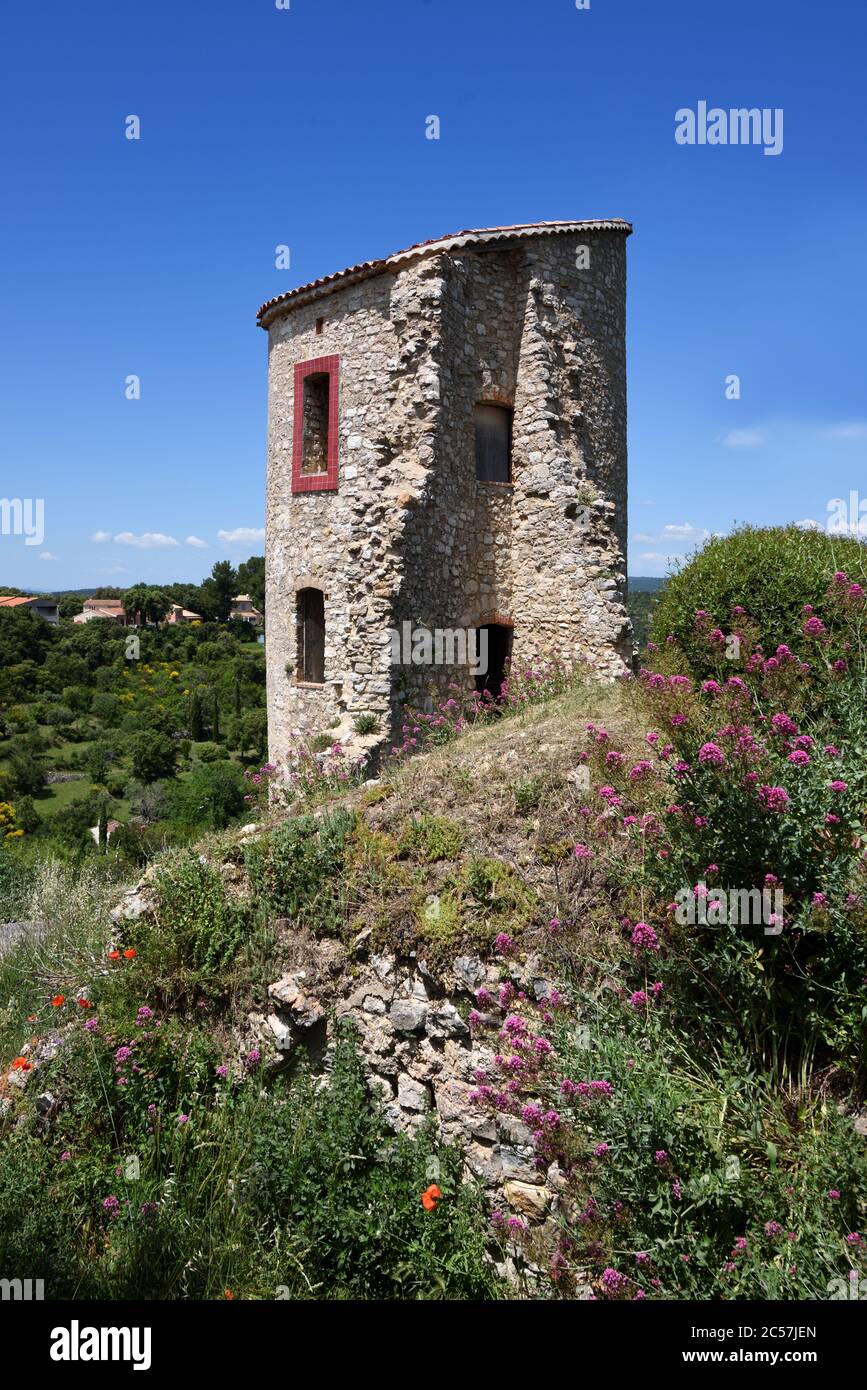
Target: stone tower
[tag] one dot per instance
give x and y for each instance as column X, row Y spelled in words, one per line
column 447, row 450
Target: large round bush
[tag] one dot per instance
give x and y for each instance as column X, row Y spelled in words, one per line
column 771, row 572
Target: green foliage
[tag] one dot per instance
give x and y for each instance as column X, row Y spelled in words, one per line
column 195, row 935
column 212, row 796
column 771, row 572
column 154, row 757
column 295, row 871
column 704, row 1153
column 428, row 838
column 326, row 1167
column 366, row 724
column 300, row 1192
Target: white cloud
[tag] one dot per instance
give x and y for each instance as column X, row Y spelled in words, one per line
column 47, row 555
column 100, row 536
column 810, row 525
column 643, row 537
column 113, row 569
column 148, row 540
column 742, row 439
column 194, row 540
column 242, row 534
column 686, row 532
column 850, row 429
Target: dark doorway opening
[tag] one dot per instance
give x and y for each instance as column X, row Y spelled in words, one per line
column 499, row 652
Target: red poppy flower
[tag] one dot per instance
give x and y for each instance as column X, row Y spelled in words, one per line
column 58, row 1000
column 130, row 954
column 430, row 1197
column 114, row 955
column 85, row 1004
column 22, row 1064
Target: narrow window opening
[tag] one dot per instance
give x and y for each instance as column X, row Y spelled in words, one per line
column 320, row 324
column 310, row 614
column 314, row 438
column 493, row 425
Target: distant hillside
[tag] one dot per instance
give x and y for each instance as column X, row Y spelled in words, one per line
column 641, row 599
column 644, row 584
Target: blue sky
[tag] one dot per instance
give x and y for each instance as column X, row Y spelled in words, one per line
column 306, row 127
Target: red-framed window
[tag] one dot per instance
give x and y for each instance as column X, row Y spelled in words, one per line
column 315, row 425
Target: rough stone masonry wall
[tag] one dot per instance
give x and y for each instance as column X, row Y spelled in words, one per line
column 569, row 506
column 344, row 542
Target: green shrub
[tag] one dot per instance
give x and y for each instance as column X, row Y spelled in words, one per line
column 771, row 572
column 428, row 838
column 212, row 796
column 366, row 724
column 195, row 934
column 295, row 871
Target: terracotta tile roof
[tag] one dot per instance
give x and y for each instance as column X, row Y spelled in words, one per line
column 457, row 241
column 7, row 601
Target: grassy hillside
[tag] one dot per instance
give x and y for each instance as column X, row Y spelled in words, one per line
column 697, row 1153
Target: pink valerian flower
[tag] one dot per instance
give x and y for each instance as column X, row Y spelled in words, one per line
column 661, row 1156
column 711, row 755
column 484, row 998
column 711, row 687
column 772, row 1228
column 641, row 769
column 783, row 724
column 111, row 1204
column 834, row 1194
column 613, row 1280
column 614, row 759
column 503, row 943
column 638, row 999
column 854, row 1238
column 774, row 798
column 838, row 786
column 644, row 937
column 820, row 899
column 814, row 627
column 602, row 1151
column 583, row 852
column 740, row 1246
column 676, row 1190
column 799, row 758
column 475, row 1019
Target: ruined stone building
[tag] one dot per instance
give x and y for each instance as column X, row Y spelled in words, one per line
column 446, row 449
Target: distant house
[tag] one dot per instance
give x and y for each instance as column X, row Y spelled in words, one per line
column 46, row 607
column 110, row 609
column 110, row 828
column 178, row 614
column 242, row 607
